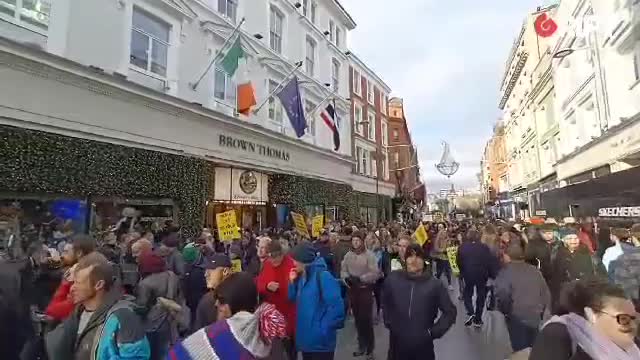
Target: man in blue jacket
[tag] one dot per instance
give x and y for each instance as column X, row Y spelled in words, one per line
column 319, row 305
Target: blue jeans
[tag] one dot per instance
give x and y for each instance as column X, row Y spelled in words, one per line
column 522, row 335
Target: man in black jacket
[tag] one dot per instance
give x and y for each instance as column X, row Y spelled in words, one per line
column 412, row 300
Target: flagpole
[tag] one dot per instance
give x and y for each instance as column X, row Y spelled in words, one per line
column 265, row 101
column 334, row 92
column 217, row 56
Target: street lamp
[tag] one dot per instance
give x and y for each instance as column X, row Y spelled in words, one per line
column 563, row 53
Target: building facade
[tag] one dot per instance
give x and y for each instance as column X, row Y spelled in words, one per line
column 98, row 117
column 403, row 163
column 370, row 139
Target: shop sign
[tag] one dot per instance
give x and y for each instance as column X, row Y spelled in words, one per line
column 623, row 211
column 460, row 217
column 541, row 212
column 227, row 226
column 253, row 148
column 317, row 223
column 241, row 185
column 300, row 224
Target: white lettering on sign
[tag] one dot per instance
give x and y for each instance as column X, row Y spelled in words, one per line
column 625, row 211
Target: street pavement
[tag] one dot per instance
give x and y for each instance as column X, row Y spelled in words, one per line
column 460, row 343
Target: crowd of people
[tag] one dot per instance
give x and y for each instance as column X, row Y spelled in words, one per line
column 276, row 294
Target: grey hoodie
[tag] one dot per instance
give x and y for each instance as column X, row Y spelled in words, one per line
column 522, row 292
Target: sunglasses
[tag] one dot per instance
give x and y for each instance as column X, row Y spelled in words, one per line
column 622, row 319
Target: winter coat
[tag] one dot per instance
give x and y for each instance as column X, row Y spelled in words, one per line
column 340, row 249
column 412, row 304
column 324, row 250
column 567, row 266
column 206, row 312
column 554, row 343
column 61, row 305
column 195, row 284
column 319, row 308
column 439, row 250
column 475, row 261
column 539, row 254
column 363, row 266
column 123, row 336
column 279, row 298
column 150, row 288
column 174, row 259
column 522, row 293
column 626, row 272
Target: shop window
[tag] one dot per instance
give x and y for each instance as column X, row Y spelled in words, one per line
column 331, row 214
column 127, row 215
column 25, row 219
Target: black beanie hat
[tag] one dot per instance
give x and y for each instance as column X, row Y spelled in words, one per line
column 304, row 253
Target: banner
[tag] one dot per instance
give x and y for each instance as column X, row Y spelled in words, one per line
column 316, row 225
column 300, row 224
column 421, row 235
column 452, row 254
column 427, row 218
column 236, row 265
column 227, row 226
column 460, row 217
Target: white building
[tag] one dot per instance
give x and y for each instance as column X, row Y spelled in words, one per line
column 123, row 72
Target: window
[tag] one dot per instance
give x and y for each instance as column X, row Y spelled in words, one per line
column 335, row 74
column 275, row 30
column 311, row 56
column 332, row 31
column 365, row 161
column 224, row 88
column 357, row 118
column 384, row 134
column 370, row 92
column 309, row 8
column 396, row 160
column 357, row 82
column 33, row 13
column 374, row 167
column 149, row 43
column 383, row 167
column 311, row 118
column 383, row 103
column 338, row 35
column 371, row 126
column 396, row 135
column 359, row 160
column 228, row 8
column 636, row 60
column 275, row 107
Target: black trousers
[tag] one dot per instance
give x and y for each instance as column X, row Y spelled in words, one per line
column 361, row 299
column 480, row 287
column 424, row 351
column 443, row 267
column 317, row 356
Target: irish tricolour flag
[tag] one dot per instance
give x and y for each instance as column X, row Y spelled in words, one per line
column 235, row 61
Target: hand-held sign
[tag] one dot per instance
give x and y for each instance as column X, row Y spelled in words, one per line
column 545, row 26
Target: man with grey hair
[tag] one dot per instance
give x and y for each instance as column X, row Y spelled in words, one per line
column 522, row 296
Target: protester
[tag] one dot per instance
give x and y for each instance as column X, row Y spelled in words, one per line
column 573, row 261
column 273, row 284
column 413, row 300
column 439, row 255
column 399, row 263
column 61, row 305
column 595, row 322
column 256, row 263
column 319, row 306
column 169, row 251
column 541, row 247
column 103, row 324
column 477, row 265
column 619, row 239
column 157, row 283
column 522, row 296
column 360, row 272
column 625, row 274
column 242, row 333
column 324, row 250
column 218, row 268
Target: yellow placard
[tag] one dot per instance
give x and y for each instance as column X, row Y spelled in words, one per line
column 236, row 265
column 227, row 226
column 421, row 235
column 301, row 225
column 452, row 254
column 316, row 225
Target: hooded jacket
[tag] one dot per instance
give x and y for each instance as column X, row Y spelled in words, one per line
column 522, row 292
column 412, row 304
column 568, row 266
column 114, row 332
column 279, row 298
column 319, row 308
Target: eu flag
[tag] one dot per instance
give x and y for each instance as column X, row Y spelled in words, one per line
column 292, row 102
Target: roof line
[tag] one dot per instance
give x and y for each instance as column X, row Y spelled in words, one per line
column 370, row 71
column 345, row 13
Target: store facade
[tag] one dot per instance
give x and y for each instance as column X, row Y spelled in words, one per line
column 89, row 150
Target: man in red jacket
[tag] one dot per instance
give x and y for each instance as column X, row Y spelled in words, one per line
column 61, row 305
column 273, row 284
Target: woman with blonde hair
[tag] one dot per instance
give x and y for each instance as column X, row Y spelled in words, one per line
column 439, row 255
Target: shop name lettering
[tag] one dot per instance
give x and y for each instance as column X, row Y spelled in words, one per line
column 630, row 211
column 248, row 146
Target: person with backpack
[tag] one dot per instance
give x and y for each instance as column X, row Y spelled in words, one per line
column 160, row 324
column 412, row 301
column 103, row 326
column 319, row 306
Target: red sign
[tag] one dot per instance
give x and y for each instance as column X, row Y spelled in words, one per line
column 545, row 26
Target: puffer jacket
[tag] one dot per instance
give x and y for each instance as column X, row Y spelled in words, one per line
column 319, row 308
column 114, row 332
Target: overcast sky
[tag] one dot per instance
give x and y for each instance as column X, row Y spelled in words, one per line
column 446, row 59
